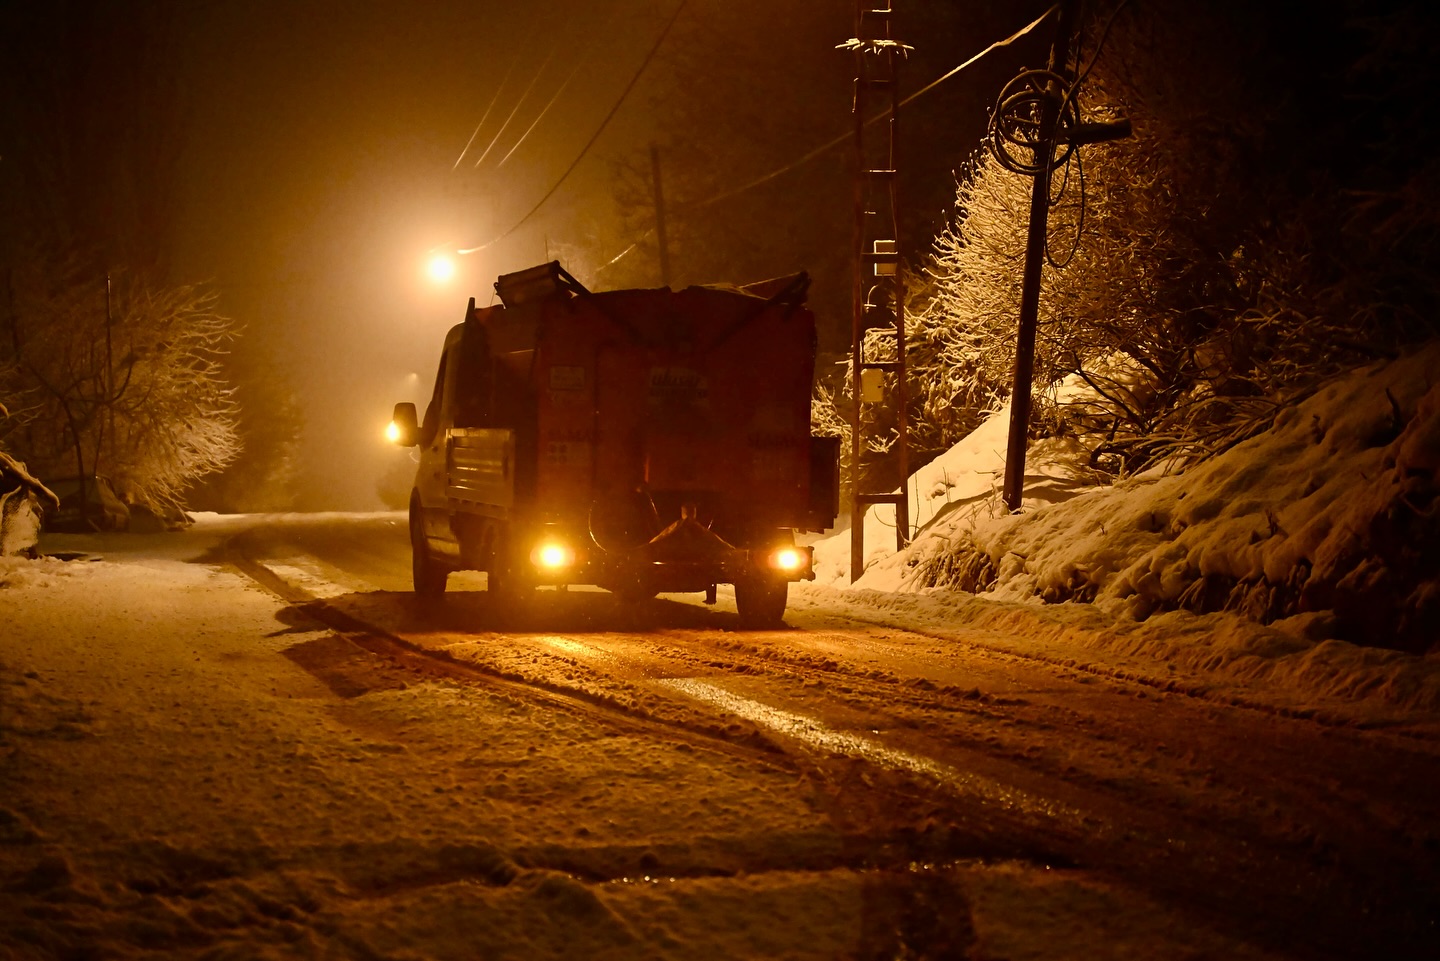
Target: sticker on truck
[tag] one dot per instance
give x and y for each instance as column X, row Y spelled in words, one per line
column 678, row 386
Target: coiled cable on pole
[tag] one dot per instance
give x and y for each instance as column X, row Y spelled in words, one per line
column 1017, row 134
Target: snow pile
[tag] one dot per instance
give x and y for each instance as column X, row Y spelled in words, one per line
column 958, row 489
column 19, row 571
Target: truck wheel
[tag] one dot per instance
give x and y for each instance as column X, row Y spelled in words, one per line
column 507, row 584
column 428, row 576
column 761, row 601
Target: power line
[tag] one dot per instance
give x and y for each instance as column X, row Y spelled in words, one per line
column 543, row 111
column 994, row 46
column 596, row 136
column 515, row 109
column 694, row 205
column 579, row 62
column 486, row 115
column 616, row 259
column 846, row 136
column 818, row 151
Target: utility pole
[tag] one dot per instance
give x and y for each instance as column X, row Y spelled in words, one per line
column 1038, row 112
column 876, row 265
column 660, row 239
column 1044, row 148
column 109, row 376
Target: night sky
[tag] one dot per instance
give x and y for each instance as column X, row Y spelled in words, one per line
column 317, row 152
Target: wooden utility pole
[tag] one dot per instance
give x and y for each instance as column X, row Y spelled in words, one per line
column 1034, row 258
column 660, row 238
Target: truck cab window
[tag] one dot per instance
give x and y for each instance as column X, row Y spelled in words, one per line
column 471, row 404
column 430, row 426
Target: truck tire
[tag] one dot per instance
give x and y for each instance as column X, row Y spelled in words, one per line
column 761, row 601
column 427, row 575
column 506, row 580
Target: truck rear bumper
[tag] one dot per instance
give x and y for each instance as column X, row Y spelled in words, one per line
column 686, row 557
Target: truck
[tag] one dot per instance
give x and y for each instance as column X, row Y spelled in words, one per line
column 643, row 441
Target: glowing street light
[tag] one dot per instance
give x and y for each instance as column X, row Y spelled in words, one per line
column 441, row 268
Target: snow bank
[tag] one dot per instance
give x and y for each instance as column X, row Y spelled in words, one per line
column 958, row 489
column 1262, row 562
column 1329, row 510
column 23, row 572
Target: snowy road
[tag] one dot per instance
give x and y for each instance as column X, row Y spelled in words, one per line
column 581, row 781
column 1218, row 808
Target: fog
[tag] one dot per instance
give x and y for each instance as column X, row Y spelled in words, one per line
column 306, row 158
column 321, row 167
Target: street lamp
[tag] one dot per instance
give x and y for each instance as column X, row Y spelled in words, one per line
column 440, row 267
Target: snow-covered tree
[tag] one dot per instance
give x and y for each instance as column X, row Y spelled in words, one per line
column 137, row 395
column 1228, row 256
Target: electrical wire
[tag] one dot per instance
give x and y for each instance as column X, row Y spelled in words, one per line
column 515, row 109
column 994, row 46
column 818, row 151
column 616, row 259
column 579, row 62
column 543, row 111
column 1072, row 95
column 594, row 137
column 1012, row 105
column 1099, row 45
column 1018, row 121
column 1079, row 161
column 823, row 148
column 486, row 115
column 698, row 205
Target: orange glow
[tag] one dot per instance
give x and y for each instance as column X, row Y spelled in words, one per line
column 441, row 268
column 788, row 559
column 392, row 432
column 552, row 556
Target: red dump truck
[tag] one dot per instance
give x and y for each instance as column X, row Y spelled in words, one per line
column 644, row 441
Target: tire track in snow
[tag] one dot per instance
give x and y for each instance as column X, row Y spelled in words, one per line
column 304, row 576
column 301, row 581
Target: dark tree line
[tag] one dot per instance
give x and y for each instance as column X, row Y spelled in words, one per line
column 108, row 363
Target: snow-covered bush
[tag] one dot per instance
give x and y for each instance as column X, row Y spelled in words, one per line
column 23, row 498
column 140, row 397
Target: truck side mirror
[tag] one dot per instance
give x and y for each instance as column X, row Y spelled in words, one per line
column 403, row 426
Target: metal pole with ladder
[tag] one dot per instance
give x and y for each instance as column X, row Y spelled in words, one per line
column 879, row 292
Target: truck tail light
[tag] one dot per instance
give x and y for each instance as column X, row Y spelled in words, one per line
column 552, row 556
column 789, row 559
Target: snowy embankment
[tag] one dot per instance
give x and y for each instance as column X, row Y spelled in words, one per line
column 1302, row 558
